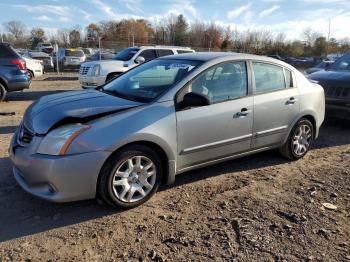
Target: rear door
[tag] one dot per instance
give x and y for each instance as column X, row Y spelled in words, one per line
column 276, row 103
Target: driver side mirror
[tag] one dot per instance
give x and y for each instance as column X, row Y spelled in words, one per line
column 194, row 100
column 140, row 60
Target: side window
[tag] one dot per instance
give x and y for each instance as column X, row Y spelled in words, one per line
column 148, row 54
column 222, row 82
column 183, row 51
column 164, row 52
column 289, row 78
column 268, row 77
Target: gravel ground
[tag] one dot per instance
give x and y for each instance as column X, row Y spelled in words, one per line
column 258, row 208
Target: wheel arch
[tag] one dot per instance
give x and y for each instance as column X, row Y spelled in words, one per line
column 111, row 74
column 4, row 83
column 168, row 169
column 307, row 115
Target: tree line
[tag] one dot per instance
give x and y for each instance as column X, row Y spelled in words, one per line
column 176, row 30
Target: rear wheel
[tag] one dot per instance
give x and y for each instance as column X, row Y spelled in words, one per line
column 130, row 177
column 112, row 76
column 299, row 140
column 31, row 74
column 3, row 92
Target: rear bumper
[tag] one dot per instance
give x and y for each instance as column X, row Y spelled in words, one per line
column 18, row 83
column 91, row 81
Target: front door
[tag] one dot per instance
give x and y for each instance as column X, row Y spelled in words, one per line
column 224, row 127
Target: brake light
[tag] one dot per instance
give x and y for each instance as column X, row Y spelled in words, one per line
column 20, row 63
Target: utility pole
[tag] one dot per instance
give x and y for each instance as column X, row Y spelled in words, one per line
column 328, row 36
column 99, row 46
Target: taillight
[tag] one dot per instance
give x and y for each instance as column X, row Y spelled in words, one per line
column 20, row 63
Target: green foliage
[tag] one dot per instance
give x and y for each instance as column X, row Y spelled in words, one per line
column 37, row 35
column 181, row 27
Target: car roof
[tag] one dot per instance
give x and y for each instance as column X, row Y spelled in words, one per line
column 164, row 47
column 209, row 56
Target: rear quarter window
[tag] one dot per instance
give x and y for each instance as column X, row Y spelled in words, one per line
column 7, row 52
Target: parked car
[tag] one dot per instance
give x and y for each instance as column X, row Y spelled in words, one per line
column 42, row 56
column 88, row 52
column 96, row 73
column 162, row 118
column 276, row 57
column 13, row 71
column 321, row 66
column 336, row 83
column 44, row 47
column 104, row 56
column 35, row 67
column 70, row 58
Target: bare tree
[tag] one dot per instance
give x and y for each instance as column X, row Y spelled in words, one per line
column 16, row 28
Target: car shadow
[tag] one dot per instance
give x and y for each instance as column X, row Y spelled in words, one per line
column 60, row 78
column 30, row 95
column 22, row 214
column 7, row 129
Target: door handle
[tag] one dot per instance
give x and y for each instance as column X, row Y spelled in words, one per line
column 244, row 112
column 291, row 101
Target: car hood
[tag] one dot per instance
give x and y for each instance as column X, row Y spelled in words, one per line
column 114, row 63
column 74, row 106
column 330, row 76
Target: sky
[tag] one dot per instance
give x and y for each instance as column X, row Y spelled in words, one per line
column 288, row 16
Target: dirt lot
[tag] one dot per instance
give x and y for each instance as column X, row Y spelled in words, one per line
column 259, row 208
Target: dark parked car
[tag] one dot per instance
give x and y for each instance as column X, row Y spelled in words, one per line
column 320, row 66
column 336, row 83
column 276, row 57
column 104, row 56
column 13, row 71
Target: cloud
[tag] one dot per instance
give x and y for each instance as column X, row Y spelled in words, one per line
column 132, row 5
column 64, row 19
column 43, row 18
column 238, row 11
column 87, row 15
column 184, row 7
column 269, row 11
column 105, row 9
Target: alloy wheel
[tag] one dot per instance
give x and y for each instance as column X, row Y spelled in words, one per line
column 134, row 179
column 302, row 139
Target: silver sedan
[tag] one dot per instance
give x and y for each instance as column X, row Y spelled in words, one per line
column 162, row 118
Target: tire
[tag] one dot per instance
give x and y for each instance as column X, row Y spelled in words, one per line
column 31, row 74
column 299, row 141
column 3, row 92
column 111, row 76
column 125, row 185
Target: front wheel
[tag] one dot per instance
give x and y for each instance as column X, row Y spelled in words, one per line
column 130, row 177
column 299, row 140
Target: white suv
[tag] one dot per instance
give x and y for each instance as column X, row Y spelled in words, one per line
column 96, row 73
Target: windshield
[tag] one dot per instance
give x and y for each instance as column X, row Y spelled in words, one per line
column 147, row 81
column 126, row 54
column 76, row 53
column 342, row 63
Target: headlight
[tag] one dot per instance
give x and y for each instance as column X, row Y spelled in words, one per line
column 95, row 71
column 58, row 140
